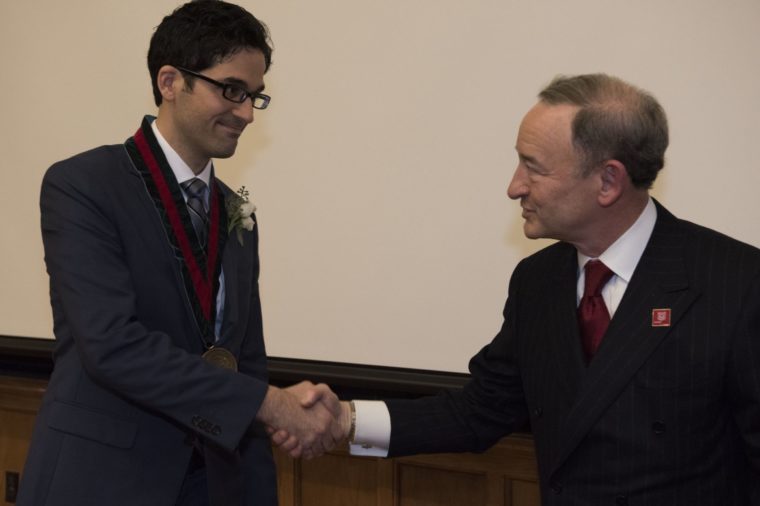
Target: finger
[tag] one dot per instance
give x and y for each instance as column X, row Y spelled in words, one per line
column 290, row 444
column 310, row 397
column 304, row 392
column 326, row 443
column 287, row 446
column 297, row 451
column 314, row 451
column 280, row 437
column 328, row 398
column 314, row 443
column 325, row 435
column 337, row 432
column 323, row 423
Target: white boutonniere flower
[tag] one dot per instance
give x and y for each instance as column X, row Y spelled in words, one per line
column 239, row 213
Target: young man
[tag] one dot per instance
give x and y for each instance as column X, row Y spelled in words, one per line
column 159, row 394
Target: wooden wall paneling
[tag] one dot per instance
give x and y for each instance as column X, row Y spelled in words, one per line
column 504, row 475
column 513, row 456
column 288, row 476
column 509, row 467
column 321, row 482
column 429, row 486
column 386, row 482
column 496, row 493
column 20, row 400
column 523, row 493
column 338, row 479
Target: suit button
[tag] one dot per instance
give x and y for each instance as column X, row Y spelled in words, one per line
column 555, row 487
column 537, row 412
column 621, row 500
column 658, row 427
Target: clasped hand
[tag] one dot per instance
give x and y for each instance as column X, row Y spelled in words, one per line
column 305, row 420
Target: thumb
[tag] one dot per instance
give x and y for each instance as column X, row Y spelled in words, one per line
column 310, row 398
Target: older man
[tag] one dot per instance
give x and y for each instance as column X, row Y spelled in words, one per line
column 632, row 345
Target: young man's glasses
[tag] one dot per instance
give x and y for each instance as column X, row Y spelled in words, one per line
column 233, row 92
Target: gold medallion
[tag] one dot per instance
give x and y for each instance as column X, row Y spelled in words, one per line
column 220, row 357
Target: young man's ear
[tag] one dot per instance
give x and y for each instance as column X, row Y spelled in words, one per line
column 169, row 80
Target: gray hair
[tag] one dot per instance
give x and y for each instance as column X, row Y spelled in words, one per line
column 616, row 121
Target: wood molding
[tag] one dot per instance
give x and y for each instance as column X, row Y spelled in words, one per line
column 21, row 395
column 33, row 357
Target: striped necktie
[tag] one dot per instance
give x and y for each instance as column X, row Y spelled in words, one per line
column 195, row 189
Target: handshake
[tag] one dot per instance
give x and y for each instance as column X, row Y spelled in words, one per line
column 305, row 420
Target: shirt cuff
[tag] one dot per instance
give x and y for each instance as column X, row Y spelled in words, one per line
column 373, row 429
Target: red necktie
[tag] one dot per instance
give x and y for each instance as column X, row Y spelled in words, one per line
column 593, row 317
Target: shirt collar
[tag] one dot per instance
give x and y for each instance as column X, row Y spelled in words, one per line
column 624, row 254
column 181, row 170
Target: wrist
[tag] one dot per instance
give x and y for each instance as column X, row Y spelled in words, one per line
column 268, row 408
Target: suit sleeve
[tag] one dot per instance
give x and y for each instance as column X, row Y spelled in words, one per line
column 95, row 310
column 744, row 378
column 489, row 407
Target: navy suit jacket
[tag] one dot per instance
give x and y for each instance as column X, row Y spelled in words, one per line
column 130, row 395
column 663, row 415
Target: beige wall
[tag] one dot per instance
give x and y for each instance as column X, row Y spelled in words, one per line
column 380, row 169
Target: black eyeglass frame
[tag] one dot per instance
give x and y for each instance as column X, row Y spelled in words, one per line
column 229, row 91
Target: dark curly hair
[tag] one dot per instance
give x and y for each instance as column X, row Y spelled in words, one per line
column 616, row 120
column 202, row 33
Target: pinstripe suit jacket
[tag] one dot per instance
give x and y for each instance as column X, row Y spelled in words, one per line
column 663, row 415
column 129, row 393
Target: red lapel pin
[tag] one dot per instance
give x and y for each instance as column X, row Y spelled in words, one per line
column 661, row 317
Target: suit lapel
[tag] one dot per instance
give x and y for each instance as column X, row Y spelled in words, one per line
column 562, row 329
column 154, row 234
column 232, row 287
column 660, row 281
column 237, row 272
column 237, row 265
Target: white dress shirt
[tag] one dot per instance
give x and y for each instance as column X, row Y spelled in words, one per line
column 373, row 421
column 621, row 257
